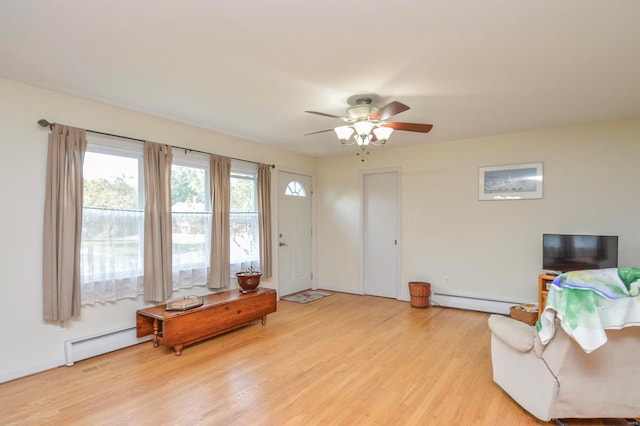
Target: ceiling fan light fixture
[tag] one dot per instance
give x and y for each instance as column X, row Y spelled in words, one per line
column 344, row 133
column 370, row 124
column 363, row 127
column 382, row 134
column 363, row 140
column 360, row 112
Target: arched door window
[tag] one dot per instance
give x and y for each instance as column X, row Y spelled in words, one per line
column 295, row 189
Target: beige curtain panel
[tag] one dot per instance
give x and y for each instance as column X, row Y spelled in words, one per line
column 157, row 222
column 264, row 218
column 63, row 223
column 220, row 184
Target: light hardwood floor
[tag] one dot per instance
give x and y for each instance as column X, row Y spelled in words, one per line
column 342, row 360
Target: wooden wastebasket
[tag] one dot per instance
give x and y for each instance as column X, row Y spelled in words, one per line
column 419, row 292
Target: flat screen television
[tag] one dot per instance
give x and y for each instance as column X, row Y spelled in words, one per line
column 563, row 253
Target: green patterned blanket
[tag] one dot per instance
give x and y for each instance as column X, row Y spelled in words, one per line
column 589, row 302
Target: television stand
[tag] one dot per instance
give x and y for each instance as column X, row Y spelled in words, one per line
column 543, row 290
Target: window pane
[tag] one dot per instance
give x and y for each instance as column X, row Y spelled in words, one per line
column 191, row 220
column 296, row 189
column 245, row 249
column 243, row 193
column 188, row 189
column 112, row 226
column 110, row 181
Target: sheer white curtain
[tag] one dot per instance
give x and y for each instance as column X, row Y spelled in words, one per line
column 191, row 248
column 112, row 267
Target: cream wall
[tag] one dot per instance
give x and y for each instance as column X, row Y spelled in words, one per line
column 31, row 344
column 489, row 249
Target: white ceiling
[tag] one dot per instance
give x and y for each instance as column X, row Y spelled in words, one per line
column 251, row 68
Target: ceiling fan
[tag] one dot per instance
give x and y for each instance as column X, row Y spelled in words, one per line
column 368, row 124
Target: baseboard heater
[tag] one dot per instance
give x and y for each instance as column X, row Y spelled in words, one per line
column 99, row 344
column 472, row 303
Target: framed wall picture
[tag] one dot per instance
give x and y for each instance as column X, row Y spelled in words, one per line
column 510, row 182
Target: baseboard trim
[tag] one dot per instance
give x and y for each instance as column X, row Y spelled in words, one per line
column 99, row 344
column 81, row 349
column 457, row 301
column 7, row 376
column 472, row 303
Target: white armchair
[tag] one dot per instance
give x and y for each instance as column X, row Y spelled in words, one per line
column 560, row 380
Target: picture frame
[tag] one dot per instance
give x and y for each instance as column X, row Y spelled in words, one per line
column 510, row 182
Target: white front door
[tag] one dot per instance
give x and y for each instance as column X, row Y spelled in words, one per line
column 380, row 234
column 294, row 233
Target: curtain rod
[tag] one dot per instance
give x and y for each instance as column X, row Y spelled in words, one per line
column 44, row 123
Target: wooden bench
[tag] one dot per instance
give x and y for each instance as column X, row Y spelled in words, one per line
column 219, row 313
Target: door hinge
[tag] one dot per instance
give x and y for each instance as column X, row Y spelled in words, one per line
column 311, row 274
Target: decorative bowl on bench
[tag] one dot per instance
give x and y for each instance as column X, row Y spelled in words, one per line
column 248, row 281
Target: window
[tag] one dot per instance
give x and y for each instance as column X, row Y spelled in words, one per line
column 113, row 220
column 191, row 219
column 245, row 248
column 296, row 189
column 112, row 245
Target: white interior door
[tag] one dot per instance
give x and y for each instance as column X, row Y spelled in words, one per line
column 294, row 233
column 380, row 234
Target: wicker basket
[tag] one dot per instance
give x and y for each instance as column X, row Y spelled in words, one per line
column 419, row 292
column 524, row 314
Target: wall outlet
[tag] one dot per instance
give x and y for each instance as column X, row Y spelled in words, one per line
column 446, row 280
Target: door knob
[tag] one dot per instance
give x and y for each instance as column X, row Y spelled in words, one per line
column 282, row 244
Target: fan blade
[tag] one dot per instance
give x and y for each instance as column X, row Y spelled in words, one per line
column 389, row 110
column 409, row 127
column 328, row 115
column 319, row 131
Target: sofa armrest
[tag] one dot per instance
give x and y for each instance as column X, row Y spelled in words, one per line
column 513, row 333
